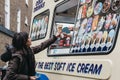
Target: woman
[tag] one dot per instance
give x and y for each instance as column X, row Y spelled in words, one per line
column 22, row 64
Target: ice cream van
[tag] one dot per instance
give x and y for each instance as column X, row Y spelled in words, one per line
column 89, row 45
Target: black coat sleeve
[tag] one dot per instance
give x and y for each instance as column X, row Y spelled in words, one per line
column 44, row 44
column 12, row 70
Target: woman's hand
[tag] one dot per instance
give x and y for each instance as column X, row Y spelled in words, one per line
column 58, row 34
column 32, row 77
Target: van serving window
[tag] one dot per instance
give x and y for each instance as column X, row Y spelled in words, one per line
column 39, row 26
column 64, row 19
column 94, row 30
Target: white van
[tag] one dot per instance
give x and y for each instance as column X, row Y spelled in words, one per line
column 89, row 46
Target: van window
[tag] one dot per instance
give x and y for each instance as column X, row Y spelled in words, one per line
column 64, row 19
column 39, row 26
column 97, row 22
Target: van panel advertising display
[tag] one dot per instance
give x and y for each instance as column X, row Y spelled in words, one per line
column 97, row 22
column 39, row 26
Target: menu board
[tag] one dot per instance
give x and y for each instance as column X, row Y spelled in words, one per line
column 97, row 22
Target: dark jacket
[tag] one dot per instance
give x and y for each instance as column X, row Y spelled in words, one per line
column 22, row 63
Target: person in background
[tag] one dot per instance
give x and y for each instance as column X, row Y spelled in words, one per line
column 21, row 66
